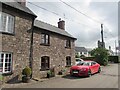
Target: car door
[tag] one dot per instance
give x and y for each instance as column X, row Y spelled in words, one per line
column 93, row 67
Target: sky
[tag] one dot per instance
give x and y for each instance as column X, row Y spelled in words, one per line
column 86, row 25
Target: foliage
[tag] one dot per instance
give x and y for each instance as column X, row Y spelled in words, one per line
column 27, row 71
column 82, row 56
column 101, row 55
column 89, row 58
column 51, row 73
column 77, row 55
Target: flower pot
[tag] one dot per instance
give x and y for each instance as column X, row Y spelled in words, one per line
column 25, row 79
column 48, row 75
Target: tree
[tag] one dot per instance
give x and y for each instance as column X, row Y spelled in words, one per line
column 101, row 55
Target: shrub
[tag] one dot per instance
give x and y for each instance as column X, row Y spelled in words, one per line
column 82, row 56
column 89, row 58
column 77, row 55
column 51, row 73
column 27, row 71
column 101, row 55
column 114, row 59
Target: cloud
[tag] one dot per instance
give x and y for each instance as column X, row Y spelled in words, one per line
column 86, row 31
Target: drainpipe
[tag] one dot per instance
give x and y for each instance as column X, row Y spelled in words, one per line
column 31, row 48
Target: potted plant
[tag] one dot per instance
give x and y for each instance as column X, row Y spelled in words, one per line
column 51, row 73
column 26, row 72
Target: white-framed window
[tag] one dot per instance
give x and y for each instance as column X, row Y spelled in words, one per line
column 45, row 39
column 5, row 62
column 6, row 23
column 68, row 43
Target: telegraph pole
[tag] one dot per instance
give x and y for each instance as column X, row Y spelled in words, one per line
column 103, row 46
column 115, row 48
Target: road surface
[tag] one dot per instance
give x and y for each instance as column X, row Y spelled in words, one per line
column 108, row 78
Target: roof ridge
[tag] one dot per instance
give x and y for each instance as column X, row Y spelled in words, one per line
column 52, row 28
column 49, row 24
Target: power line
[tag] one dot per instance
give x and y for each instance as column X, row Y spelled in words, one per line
column 44, row 9
column 67, row 18
column 80, row 12
column 58, row 14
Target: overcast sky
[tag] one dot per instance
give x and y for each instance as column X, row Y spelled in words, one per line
column 86, row 30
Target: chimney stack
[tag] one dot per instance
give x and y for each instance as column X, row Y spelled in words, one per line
column 22, row 2
column 61, row 24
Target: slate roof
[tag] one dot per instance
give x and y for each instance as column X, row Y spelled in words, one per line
column 80, row 49
column 50, row 28
column 16, row 5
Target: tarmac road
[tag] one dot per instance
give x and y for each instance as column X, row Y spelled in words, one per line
column 108, row 78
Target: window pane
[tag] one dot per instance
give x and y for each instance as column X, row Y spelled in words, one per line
column 1, row 65
column 5, row 65
column 42, row 38
column 68, row 43
column 0, row 21
column 7, row 22
column 2, row 57
column 3, row 19
column 44, row 62
column 68, row 60
column 45, row 39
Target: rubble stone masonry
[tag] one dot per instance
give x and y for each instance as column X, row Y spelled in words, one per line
column 56, row 51
column 18, row 43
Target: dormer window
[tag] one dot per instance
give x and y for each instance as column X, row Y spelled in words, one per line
column 6, row 23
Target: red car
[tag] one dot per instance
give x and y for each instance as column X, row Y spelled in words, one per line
column 85, row 68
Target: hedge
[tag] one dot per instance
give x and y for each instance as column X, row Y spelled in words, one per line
column 89, row 58
column 115, row 59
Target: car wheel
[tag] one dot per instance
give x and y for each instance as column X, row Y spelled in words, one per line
column 89, row 73
column 99, row 70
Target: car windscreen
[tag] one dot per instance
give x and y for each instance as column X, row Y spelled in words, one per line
column 84, row 63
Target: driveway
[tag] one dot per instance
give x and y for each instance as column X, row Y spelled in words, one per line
column 108, row 78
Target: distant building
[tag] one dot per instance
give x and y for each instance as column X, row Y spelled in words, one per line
column 100, row 44
column 110, row 51
column 82, row 51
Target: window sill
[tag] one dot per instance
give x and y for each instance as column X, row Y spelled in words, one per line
column 44, row 69
column 7, row 74
column 7, row 33
column 45, row 44
column 68, row 47
column 68, row 66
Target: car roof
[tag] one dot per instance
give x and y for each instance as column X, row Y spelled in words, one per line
column 89, row 61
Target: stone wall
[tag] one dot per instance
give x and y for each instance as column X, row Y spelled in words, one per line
column 18, row 44
column 56, row 51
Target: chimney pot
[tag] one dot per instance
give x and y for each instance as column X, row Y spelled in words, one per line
column 61, row 24
column 22, row 2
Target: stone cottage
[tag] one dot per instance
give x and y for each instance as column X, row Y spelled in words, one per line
column 29, row 42
column 15, row 40
column 53, row 47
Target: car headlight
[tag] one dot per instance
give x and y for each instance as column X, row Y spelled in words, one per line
column 83, row 69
